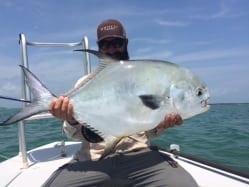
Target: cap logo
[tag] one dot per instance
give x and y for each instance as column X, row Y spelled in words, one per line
column 109, row 27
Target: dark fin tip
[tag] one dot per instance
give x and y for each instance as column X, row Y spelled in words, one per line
column 96, row 53
column 151, row 101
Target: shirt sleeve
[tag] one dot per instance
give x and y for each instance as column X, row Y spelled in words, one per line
column 73, row 132
column 154, row 132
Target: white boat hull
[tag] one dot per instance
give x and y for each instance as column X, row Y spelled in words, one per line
column 44, row 160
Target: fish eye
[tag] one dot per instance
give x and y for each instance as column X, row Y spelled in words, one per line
column 199, row 92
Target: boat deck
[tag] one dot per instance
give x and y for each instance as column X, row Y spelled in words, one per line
column 44, row 160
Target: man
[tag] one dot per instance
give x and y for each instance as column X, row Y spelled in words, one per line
column 133, row 163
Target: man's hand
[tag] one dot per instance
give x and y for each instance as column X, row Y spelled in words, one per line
column 170, row 120
column 61, row 108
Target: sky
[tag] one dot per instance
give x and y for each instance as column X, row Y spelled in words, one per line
column 209, row 37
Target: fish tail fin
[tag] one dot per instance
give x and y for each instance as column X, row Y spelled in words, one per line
column 111, row 143
column 41, row 98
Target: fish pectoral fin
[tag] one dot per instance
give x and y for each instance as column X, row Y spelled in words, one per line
column 111, row 143
column 151, row 101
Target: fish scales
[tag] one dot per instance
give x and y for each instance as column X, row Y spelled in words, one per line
column 112, row 97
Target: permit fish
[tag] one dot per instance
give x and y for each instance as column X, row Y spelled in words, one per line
column 122, row 98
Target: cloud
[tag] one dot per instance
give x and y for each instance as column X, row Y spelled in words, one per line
column 151, row 53
column 212, row 54
column 226, row 10
column 227, row 81
column 150, row 41
column 147, row 28
column 172, row 23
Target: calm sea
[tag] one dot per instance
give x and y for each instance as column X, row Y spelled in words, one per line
column 220, row 135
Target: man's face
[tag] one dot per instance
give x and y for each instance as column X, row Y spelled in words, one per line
column 113, row 47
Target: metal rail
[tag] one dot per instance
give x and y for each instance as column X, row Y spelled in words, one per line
column 25, row 92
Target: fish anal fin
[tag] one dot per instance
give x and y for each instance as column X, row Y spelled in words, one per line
column 111, row 143
column 90, row 134
column 151, row 101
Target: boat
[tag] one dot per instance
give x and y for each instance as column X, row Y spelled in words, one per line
column 44, row 160
column 33, row 167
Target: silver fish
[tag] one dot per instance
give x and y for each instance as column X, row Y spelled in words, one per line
column 122, row 98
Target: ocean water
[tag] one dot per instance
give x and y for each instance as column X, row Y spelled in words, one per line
column 220, row 135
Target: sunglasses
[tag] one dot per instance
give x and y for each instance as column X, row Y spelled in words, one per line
column 115, row 43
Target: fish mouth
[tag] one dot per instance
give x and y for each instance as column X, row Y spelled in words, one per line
column 204, row 103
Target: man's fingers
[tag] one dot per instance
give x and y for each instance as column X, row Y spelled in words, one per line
column 64, row 105
column 69, row 112
column 169, row 120
column 178, row 120
column 51, row 106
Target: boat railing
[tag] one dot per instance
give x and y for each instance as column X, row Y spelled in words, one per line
column 25, row 92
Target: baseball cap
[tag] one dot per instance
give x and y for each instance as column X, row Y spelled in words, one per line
column 110, row 28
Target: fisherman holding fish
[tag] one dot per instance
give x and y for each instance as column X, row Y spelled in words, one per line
column 134, row 162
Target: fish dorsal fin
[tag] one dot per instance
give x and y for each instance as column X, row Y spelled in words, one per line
column 104, row 61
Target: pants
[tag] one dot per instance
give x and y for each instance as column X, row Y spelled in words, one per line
column 142, row 168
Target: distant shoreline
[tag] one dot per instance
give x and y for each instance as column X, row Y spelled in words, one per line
column 228, row 103
column 209, row 104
